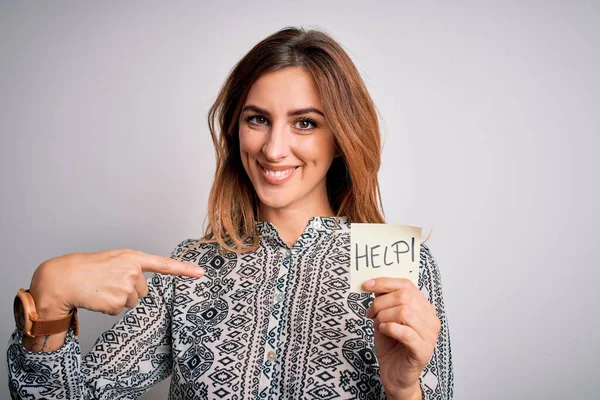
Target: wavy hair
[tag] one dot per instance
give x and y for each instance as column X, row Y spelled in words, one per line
column 352, row 182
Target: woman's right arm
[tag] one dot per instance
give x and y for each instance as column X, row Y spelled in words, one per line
column 127, row 359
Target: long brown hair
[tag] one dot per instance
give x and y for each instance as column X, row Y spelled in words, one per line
column 352, row 183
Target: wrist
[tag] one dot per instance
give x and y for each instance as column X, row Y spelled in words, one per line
column 412, row 392
column 46, row 311
column 48, row 303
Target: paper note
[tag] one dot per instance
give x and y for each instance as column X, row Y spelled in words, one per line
column 383, row 250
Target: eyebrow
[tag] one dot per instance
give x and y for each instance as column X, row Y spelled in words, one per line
column 300, row 111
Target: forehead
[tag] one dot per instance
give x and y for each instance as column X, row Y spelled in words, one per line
column 288, row 88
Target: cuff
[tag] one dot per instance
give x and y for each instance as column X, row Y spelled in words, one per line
column 71, row 344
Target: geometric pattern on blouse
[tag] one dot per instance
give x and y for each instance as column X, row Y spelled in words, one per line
column 275, row 323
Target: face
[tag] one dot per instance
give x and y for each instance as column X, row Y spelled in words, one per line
column 286, row 145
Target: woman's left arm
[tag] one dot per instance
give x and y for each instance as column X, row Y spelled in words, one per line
column 412, row 340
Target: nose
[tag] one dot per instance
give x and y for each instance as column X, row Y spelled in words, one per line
column 276, row 146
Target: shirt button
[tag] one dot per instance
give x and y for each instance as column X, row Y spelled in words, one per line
column 317, row 224
column 271, row 356
column 284, row 252
column 279, row 298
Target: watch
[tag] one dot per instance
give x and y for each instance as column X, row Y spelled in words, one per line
column 30, row 324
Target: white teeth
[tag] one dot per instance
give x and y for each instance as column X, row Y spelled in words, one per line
column 278, row 174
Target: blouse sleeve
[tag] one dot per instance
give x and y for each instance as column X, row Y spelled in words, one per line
column 125, row 361
column 437, row 379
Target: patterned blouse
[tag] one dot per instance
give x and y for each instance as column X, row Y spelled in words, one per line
column 276, row 323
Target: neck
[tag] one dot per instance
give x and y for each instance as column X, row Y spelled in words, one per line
column 290, row 222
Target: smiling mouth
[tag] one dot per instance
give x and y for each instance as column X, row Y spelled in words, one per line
column 278, row 174
column 277, row 177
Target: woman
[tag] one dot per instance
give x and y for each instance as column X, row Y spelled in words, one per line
column 268, row 313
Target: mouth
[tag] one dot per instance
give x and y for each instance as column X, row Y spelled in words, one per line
column 277, row 176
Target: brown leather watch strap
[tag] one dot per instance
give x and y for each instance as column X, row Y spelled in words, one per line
column 52, row 326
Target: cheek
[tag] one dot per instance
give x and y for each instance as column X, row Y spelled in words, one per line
column 250, row 143
column 318, row 150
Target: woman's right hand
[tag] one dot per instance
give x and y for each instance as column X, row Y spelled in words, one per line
column 105, row 281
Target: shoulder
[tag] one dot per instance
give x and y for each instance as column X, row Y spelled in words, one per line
column 425, row 254
column 428, row 264
column 429, row 272
column 182, row 247
column 189, row 250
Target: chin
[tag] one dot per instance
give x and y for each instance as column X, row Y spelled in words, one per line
column 274, row 201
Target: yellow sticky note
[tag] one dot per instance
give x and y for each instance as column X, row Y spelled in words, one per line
column 383, row 250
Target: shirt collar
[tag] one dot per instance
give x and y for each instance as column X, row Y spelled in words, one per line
column 316, row 228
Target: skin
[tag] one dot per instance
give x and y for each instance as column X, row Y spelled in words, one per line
column 406, row 332
column 273, row 138
column 105, row 281
column 406, row 324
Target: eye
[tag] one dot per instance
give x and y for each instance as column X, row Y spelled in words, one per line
column 257, row 120
column 306, row 124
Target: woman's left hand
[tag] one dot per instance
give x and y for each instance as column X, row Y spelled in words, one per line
column 406, row 332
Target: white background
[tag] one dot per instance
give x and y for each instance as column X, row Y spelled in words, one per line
column 490, row 116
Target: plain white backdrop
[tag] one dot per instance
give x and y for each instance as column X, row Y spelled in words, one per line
column 490, row 116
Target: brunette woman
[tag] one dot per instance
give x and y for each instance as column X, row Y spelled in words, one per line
column 260, row 307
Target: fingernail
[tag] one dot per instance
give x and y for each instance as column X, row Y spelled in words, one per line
column 201, row 271
column 369, row 283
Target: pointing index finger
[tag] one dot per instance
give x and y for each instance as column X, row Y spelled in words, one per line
column 166, row 265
